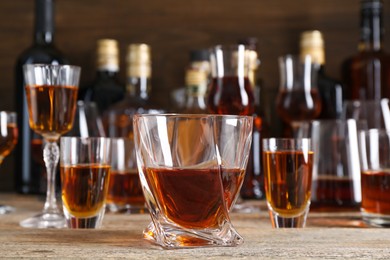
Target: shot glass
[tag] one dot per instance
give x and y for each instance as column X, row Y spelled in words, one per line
column 85, row 171
column 288, row 166
column 374, row 150
column 180, row 167
column 125, row 191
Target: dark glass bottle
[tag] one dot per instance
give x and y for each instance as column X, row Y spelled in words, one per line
column 367, row 74
column 117, row 119
column 106, row 89
column 331, row 91
column 30, row 172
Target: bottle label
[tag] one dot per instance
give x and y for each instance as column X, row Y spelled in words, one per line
column 139, row 71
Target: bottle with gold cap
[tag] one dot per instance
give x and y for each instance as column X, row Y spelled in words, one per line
column 196, row 87
column 118, row 118
column 331, row 91
column 106, row 89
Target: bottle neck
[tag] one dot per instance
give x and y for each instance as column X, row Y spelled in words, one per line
column 196, row 102
column 138, row 87
column 44, row 22
column 103, row 73
column 371, row 26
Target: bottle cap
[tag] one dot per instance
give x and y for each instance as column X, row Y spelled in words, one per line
column 372, row 4
column 107, row 55
column 139, row 60
column 199, row 55
column 312, row 43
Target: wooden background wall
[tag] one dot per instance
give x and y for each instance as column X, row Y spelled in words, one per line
column 172, row 28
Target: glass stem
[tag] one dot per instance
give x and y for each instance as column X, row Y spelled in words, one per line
column 51, row 155
column 295, row 125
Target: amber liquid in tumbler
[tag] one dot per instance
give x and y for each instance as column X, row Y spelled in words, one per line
column 298, row 105
column 125, row 188
column 288, row 177
column 231, row 95
column 332, row 193
column 51, row 109
column 376, row 192
column 191, row 198
column 84, row 188
column 232, row 180
column 8, row 140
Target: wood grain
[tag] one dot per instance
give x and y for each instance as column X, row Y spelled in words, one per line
column 328, row 236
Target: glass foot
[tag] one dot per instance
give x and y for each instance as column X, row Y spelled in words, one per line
column 45, row 220
column 4, row 209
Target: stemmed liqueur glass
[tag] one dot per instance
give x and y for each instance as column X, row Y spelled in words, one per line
column 298, row 98
column 8, row 140
column 51, row 92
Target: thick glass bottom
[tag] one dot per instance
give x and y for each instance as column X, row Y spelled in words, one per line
column 376, row 220
column 297, row 221
column 171, row 237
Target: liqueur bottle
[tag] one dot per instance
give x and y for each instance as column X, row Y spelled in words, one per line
column 230, row 91
column 367, row 74
column 30, row 172
column 331, row 91
column 196, row 86
column 117, row 119
column 106, row 88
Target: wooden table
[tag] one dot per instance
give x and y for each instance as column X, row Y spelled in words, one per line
column 329, row 236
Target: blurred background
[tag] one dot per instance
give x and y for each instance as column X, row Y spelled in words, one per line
column 172, row 29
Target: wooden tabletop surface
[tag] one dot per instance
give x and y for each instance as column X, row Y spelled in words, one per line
column 327, row 236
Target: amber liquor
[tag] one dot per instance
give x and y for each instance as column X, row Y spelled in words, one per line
column 232, row 180
column 288, row 176
column 192, row 198
column 332, row 193
column 84, row 188
column 294, row 105
column 231, row 95
column 125, row 188
column 8, row 140
column 51, row 109
column 376, row 192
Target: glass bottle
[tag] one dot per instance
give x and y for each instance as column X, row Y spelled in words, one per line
column 106, row 88
column 230, row 90
column 30, row 172
column 196, row 87
column 331, row 91
column 298, row 99
column 367, row 74
column 118, row 119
